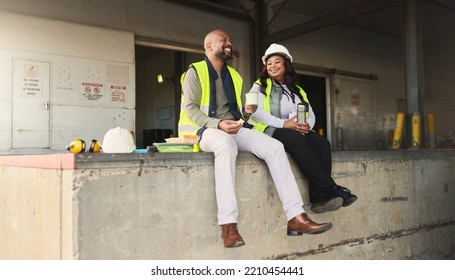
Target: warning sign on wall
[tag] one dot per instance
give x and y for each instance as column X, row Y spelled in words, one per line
column 118, row 94
column 31, row 87
column 31, row 83
column 92, row 91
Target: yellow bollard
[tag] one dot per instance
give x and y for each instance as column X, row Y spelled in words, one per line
column 398, row 133
column 416, row 131
column 431, row 124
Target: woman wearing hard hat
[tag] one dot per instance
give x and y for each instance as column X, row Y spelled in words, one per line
column 278, row 99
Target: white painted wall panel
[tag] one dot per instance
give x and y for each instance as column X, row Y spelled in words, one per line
column 71, row 76
column 5, row 125
column 64, row 38
column 86, row 123
column 89, row 81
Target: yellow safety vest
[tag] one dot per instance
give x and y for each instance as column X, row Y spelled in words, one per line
column 266, row 105
column 187, row 126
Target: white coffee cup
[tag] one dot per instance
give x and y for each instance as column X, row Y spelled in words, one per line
column 251, row 98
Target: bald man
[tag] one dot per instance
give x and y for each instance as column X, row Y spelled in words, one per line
column 212, row 109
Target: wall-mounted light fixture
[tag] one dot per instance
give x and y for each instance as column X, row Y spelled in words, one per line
column 161, row 79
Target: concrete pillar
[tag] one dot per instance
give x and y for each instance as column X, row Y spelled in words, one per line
column 261, row 30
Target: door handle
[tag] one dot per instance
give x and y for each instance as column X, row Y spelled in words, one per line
column 46, row 105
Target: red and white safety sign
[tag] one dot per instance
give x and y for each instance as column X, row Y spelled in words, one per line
column 92, row 91
column 118, row 93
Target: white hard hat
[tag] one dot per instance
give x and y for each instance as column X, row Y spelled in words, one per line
column 118, row 140
column 276, row 49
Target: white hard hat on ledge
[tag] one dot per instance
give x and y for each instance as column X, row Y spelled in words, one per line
column 118, row 140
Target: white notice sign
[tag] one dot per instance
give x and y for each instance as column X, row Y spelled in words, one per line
column 31, row 87
column 118, row 94
column 92, row 91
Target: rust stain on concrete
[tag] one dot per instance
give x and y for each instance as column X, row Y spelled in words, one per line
column 352, row 242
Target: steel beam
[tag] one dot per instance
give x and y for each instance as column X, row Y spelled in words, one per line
column 334, row 18
column 445, row 3
column 212, row 8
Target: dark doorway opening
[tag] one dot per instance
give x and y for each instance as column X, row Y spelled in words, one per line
column 158, row 103
column 315, row 88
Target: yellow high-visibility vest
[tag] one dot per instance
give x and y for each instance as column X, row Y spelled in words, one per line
column 187, row 126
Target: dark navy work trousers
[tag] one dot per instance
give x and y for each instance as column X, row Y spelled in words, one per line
column 313, row 156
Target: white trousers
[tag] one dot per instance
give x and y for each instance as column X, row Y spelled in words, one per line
column 225, row 148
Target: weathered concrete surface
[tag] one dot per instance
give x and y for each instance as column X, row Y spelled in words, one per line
column 30, row 217
column 162, row 206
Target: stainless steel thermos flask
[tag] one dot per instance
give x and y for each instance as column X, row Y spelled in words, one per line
column 302, row 109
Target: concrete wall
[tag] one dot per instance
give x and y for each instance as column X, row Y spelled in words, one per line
column 162, row 206
column 36, row 208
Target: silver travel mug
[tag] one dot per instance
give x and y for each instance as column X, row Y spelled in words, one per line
column 302, row 109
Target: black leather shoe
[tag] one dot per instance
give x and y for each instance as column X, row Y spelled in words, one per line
column 324, row 203
column 346, row 194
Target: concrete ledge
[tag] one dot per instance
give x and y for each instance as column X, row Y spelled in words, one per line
column 49, row 161
column 162, row 206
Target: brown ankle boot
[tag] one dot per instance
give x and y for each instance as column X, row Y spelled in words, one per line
column 303, row 224
column 231, row 236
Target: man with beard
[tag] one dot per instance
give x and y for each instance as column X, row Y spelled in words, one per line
column 212, row 109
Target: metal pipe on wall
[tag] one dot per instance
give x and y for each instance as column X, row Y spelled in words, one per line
column 416, row 131
column 412, row 40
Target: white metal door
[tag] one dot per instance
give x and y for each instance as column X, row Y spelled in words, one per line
column 30, row 105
